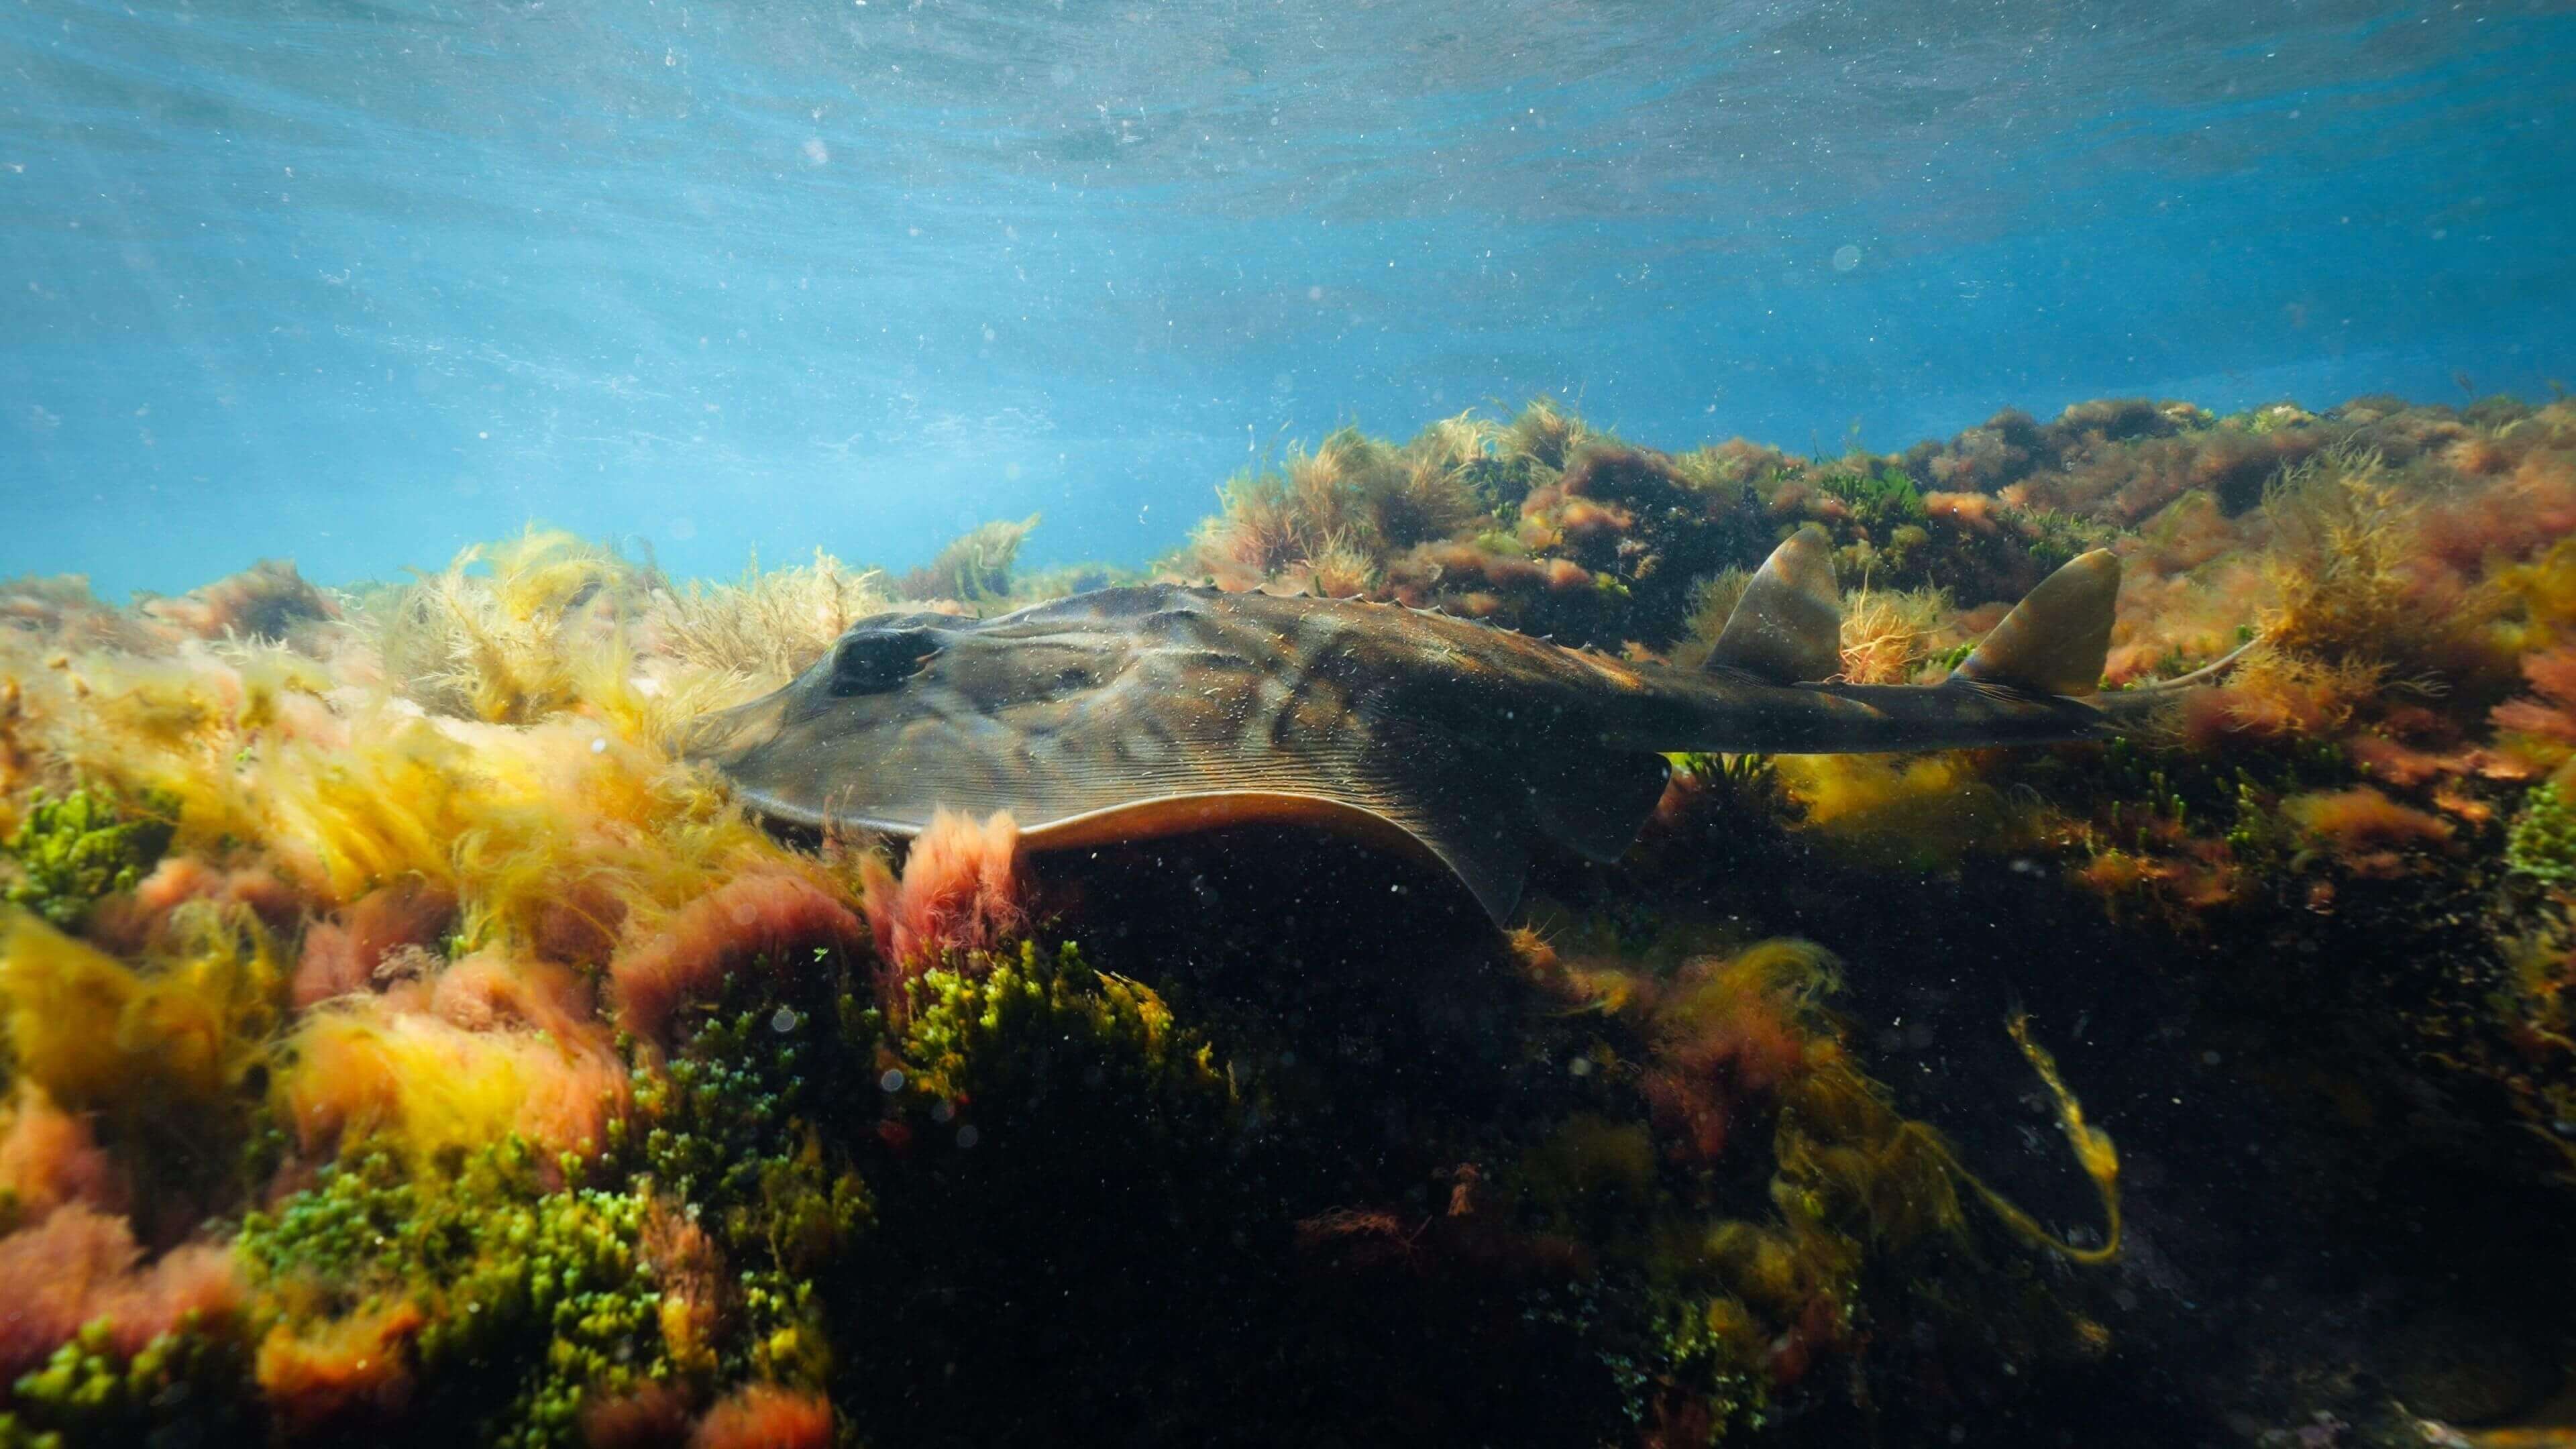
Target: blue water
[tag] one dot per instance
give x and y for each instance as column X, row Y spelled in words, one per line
column 360, row 283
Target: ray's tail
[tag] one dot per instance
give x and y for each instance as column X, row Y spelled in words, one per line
column 2036, row 677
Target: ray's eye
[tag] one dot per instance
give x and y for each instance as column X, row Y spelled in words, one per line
column 879, row 659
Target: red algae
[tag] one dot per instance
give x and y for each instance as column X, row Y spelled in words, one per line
column 1696, row 1084
column 964, row 889
column 2549, row 713
column 2365, row 828
column 649, row 1418
column 263, row 601
column 48, row 1157
column 342, row 955
column 765, row 1416
column 1726, row 1033
column 570, row 867
column 688, row 1265
column 488, row 991
column 130, row 922
column 78, row 1266
column 773, row 916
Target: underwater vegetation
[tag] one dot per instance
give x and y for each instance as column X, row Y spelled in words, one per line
column 399, row 1043
column 973, row 569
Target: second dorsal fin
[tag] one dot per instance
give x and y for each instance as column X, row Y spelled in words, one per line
column 2055, row 639
column 1788, row 627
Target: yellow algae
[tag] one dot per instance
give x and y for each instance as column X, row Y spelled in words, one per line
column 2347, row 559
column 504, row 644
column 1846, row 1149
column 315, row 1371
column 1745, row 1065
column 351, row 792
column 2094, row 1153
column 389, row 805
column 361, row 1067
column 1591, row 1155
column 174, row 1034
column 1915, row 811
column 181, row 725
column 1887, row 634
column 768, row 626
column 2545, row 591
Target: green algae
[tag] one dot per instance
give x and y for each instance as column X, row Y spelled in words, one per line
column 70, row 850
column 534, row 1301
column 2542, row 841
column 1884, row 498
column 1063, row 1215
column 968, row 1027
column 526, row 1291
column 863, row 1238
column 185, row 1386
column 745, row 1126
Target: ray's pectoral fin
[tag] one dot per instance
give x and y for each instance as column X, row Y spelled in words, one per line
column 1593, row 802
column 2055, row 640
column 1461, row 803
column 1788, row 627
column 1478, row 808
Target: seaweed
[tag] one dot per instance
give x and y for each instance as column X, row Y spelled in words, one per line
column 972, row 569
column 1060, row 1209
column 480, row 1298
column 2542, row 841
column 489, row 1075
column 515, row 642
column 770, row 625
column 70, row 851
column 172, row 1056
column 186, row 1385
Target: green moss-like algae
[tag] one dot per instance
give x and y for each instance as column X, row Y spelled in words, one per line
column 531, row 1301
column 185, row 1386
column 69, row 851
column 1062, row 1214
column 2542, row 843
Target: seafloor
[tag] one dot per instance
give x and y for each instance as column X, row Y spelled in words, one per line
column 401, row 1046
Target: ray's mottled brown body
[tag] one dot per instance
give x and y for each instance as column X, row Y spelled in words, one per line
column 1140, row 711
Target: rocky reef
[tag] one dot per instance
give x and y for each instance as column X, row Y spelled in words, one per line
column 397, row 1042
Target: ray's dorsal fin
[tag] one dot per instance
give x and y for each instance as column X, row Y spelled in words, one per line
column 2055, row 639
column 1788, row 627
